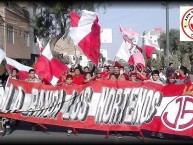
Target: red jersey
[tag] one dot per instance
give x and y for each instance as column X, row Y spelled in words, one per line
column 105, row 75
column 79, row 80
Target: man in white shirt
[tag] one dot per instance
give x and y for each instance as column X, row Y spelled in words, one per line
column 32, row 77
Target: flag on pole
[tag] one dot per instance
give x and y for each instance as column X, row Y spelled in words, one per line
column 49, row 68
column 132, row 56
column 149, row 50
column 129, row 35
column 125, row 51
column 137, row 58
column 129, row 51
column 40, row 45
column 85, row 32
column 151, row 40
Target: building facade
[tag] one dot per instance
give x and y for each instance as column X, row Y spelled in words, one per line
column 16, row 36
column 66, row 47
column 33, row 11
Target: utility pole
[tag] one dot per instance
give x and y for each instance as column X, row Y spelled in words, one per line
column 167, row 35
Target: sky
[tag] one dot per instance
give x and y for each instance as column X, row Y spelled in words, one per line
column 139, row 16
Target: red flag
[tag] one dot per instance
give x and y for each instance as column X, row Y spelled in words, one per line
column 85, row 31
column 136, row 58
column 49, row 68
column 149, row 50
column 74, row 19
column 40, row 46
column 43, row 68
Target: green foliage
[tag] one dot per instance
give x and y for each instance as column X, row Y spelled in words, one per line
column 186, row 61
column 173, row 37
column 53, row 21
column 175, row 60
column 148, row 63
column 176, row 46
column 65, row 59
column 156, row 63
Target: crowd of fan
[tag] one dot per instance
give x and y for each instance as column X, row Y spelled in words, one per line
column 80, row 76
column 166, row 76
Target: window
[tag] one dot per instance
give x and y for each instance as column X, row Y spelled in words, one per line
column 26, row 39
column 10, row 34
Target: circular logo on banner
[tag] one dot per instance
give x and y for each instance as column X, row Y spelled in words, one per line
column 187, row 23
column 178, row 114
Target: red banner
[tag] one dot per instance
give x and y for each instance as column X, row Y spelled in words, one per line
column 102, row 105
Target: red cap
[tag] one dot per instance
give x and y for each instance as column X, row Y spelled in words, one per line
column 140, row 67
column 117, row 64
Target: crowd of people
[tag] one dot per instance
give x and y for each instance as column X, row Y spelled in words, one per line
column 83, row 75
column 138, row 73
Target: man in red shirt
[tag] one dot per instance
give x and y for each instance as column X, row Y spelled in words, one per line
column 78, row 79
column 105, row 74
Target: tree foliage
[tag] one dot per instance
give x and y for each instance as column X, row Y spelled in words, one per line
column 53, row 20
column 177, row 47
column 186, row 61
column 175, row 60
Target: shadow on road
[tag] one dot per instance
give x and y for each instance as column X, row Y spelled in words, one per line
column 147, row 134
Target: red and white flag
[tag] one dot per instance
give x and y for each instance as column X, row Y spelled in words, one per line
column 137, row 58
column 125, row 51
column 49, row 68
column 151, row 39
column 40, row 45
column 129, row 35
column 23, row 69
column 131, row 55
column 128, row 50
column 149, row 51
column 85, row 32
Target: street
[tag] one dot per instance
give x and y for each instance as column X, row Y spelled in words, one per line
column 56, row 134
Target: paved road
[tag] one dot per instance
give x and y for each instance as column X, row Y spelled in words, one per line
column 56, row 134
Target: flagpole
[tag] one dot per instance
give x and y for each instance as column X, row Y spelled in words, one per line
column 167, row 35
column 76, row 59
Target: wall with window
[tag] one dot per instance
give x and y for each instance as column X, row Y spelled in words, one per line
column 18, row 43
column 10, row 34
column 1, row 35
